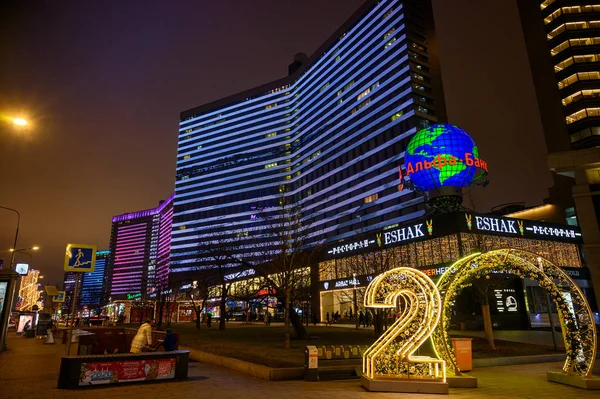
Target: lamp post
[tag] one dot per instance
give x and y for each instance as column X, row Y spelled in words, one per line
column 12, row 258
column 4, row 326
column 10, row 298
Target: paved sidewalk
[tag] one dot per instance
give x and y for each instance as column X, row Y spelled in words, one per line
column 30, row 370
column 534, row 337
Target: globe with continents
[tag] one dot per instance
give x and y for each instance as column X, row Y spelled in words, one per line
column 443, row 156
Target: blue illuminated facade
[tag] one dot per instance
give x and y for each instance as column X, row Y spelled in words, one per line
column 93, row 291
column 329, row 138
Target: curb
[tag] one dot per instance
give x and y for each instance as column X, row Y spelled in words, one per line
column 255, row 370
column 508, row 361
column 297, row 373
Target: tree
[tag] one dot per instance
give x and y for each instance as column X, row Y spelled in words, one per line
column 288, row 260
column 369, row 264
column 483, row 286
column 225, row 264
column 165, row 300
column 200, row 289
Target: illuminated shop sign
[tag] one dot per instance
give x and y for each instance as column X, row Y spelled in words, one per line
column 554, row 231
column 437, row 271
column 406, row 233
column 344, row 283
column 454, row 223
column 523, row 228
column 497, row 225
column 506, row 300
column 133, row 296
column 440, row 161
column 352, row 246
column 578, row 273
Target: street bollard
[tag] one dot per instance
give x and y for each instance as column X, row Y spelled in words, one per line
column 50, row 338
column 311, row 363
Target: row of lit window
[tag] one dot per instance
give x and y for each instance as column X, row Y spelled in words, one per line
column 326, row 85
column 577, row 77
column 580, row 95
column 286, row 87
column 573, row 26
column 546, row 3
column 577, row 59
column 586, row 41
column 371, row 198
column 584, row 113
column 571, row 10
column 585, row 133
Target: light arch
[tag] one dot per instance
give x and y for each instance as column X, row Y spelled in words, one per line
column 577, row 319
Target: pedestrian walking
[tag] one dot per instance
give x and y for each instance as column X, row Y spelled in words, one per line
column 208, row 319
column 327, row 322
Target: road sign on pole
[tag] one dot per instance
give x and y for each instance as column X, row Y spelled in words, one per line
column 80, row 258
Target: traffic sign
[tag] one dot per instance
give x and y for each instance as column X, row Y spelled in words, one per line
column 60, row 297
column 80, row 258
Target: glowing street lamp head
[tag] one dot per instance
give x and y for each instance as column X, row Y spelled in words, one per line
column 35, row 248
column 19, row 121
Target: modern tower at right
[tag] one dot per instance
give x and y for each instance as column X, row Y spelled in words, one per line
column 573, row 33
column 570, row 51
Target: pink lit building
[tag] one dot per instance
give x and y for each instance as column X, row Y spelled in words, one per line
column 139, row 252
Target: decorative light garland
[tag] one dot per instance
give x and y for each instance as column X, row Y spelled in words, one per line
column 576, row 317
column 391, row 354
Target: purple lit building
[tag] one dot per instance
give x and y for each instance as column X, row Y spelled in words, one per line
column 139, row 252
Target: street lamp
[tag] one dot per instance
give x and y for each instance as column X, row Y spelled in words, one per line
column 19, row 121
column 16, row 232
column 21, row 250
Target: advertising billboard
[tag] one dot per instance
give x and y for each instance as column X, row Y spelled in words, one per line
column 22, row 268
column 126, row 371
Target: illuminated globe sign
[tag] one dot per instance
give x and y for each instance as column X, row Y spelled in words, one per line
column 443, row 156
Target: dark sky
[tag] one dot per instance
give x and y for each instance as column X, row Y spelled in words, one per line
column 103, row 83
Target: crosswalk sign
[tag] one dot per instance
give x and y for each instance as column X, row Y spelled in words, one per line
column 80, row 258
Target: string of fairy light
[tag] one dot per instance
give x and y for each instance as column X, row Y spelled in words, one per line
column 420, row 310
column 573, row 310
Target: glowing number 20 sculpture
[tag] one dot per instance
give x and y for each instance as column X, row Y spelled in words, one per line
column 420, row 309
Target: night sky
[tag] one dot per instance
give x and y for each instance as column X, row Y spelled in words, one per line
column 103, row 84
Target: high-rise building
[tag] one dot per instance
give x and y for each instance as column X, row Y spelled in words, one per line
column 328, row 138
column 69, row 287
column 93, row 289
column 573, row 33
column 572, row 53
column 137, row 263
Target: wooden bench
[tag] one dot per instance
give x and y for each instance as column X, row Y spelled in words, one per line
column 91, row 370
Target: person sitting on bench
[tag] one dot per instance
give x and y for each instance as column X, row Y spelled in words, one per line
column 170, row 340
